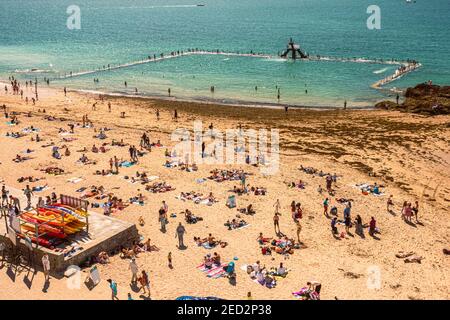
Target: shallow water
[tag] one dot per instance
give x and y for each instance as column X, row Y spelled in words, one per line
column 33, row 35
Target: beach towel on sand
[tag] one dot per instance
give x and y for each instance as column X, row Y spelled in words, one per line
column 207, row 246
column 74, row 180
column 126, row 164
column 214, row 272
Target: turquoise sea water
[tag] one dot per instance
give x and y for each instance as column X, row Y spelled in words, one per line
column 33, row 35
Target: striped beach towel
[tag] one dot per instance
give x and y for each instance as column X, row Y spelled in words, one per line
column 214, row 272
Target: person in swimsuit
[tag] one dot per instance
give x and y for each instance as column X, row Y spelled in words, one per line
column 276, row 222
column 28, row 193
column 4, row 196
column 347, row 218
column 415, row 209
column 389, row 204
column 299, row 229
column 407, row 212
column 277, row 206
column 372, row 226
column 325, row 207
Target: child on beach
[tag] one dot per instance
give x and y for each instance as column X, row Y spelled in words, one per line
column 325, row 207
column 113, row 286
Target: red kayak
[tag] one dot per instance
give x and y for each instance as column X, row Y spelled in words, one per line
column 48, row 230
column 37, row 219
column 40, row 241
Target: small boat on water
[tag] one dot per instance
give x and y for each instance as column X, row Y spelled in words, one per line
column 200, row 5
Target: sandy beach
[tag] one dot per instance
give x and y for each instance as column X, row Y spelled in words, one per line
column 407, row 155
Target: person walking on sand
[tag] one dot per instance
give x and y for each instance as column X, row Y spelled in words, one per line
column 28, row 193
column 157, row 114
column 46, row 267
column 4, row 196
column 277, row 206
column 169, row 260
column 347, row 217
column 407, row 211
column 325, row 207
column 15, row 202
column 415, row 210
column 134, row 270
column 113, row 287
column 389, row 204
column 334, row 229
column 116, row 164
column 180, row 234
column 299, row 229
column 145, row 282
column 372, row 226
column 163, row 219
column 276, row 222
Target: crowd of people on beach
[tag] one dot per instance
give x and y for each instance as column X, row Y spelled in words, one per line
column 281, row 243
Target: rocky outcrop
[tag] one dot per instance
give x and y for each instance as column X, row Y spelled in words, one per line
column 423, row 99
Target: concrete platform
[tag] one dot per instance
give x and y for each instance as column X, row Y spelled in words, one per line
column 105, row 234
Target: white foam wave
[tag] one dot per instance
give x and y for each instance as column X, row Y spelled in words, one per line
column 380, row 71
